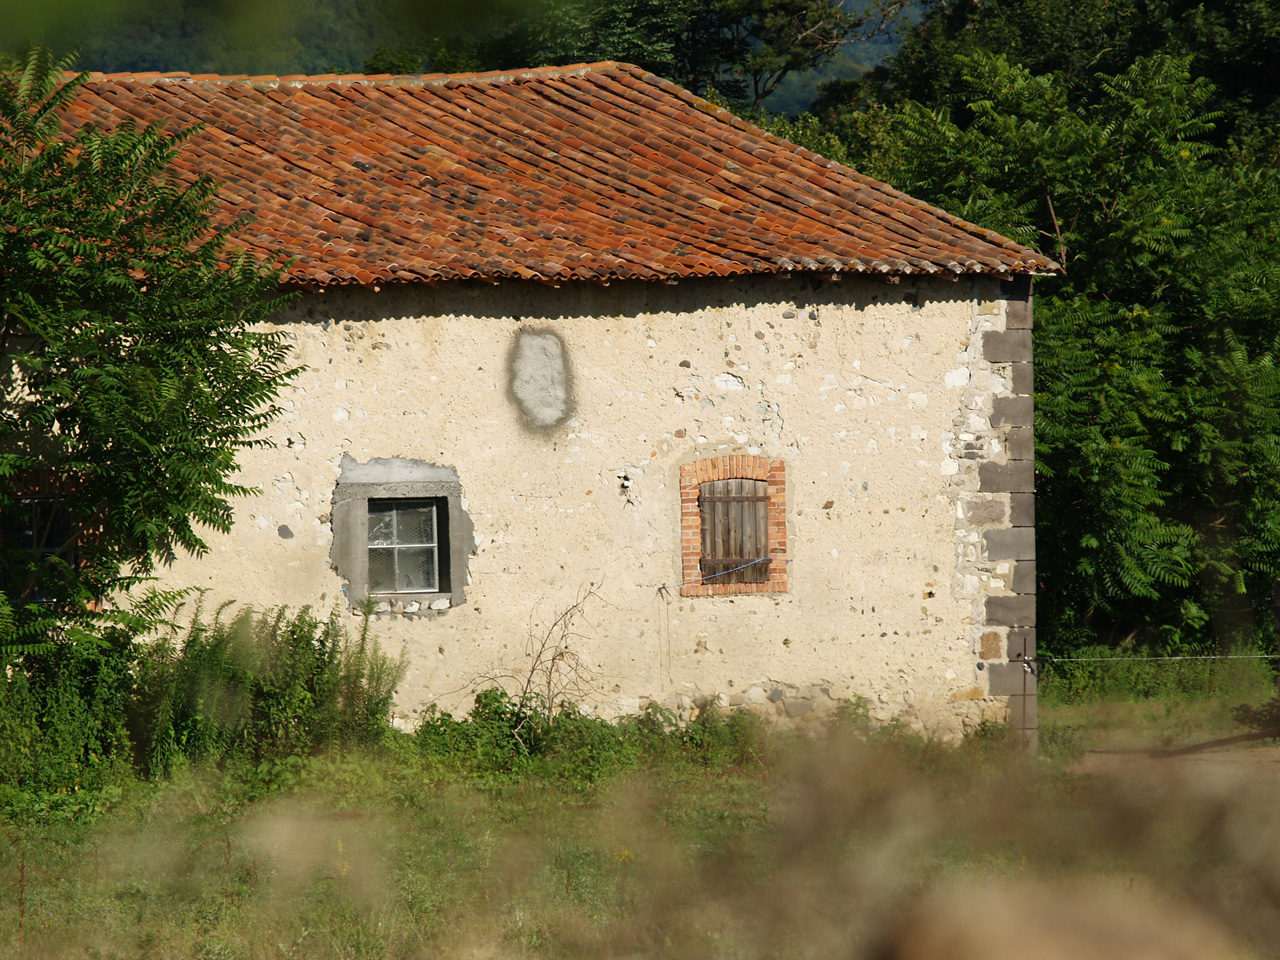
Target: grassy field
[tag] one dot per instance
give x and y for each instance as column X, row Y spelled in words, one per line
column 1124, row 704
column 832, row 848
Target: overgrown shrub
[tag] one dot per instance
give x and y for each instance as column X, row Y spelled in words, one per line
column 62, row 715
column 258, row 688
column 510, row 737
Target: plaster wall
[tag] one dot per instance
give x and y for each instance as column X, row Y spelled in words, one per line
column 568, row 442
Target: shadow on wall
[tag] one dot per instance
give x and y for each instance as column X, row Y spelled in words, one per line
column 539, row 303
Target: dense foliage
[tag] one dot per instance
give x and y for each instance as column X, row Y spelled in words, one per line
column 1234, row 44
column 743, row 49
column 135, row 367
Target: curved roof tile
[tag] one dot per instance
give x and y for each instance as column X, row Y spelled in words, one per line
column 590, row 172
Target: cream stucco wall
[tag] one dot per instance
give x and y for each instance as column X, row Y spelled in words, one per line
column 871, row 392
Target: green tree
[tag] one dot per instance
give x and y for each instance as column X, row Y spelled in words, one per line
column 1158, row 401
column 1233, row 43
column 135, row 365
column 742, row 48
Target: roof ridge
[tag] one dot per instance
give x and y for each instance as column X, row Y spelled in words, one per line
column 409, row 79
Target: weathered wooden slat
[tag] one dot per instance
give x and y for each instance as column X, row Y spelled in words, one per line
column 735, row 540
column 710, row 537
column 733, row 512
column 760, row 544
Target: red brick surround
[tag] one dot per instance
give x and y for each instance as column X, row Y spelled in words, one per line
column 732, row 468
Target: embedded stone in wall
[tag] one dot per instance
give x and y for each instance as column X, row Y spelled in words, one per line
column 983, row 513
column 785, row 705
column 540, row 377
column 810, row 708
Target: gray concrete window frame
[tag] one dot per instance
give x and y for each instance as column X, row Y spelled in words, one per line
column 351, row 535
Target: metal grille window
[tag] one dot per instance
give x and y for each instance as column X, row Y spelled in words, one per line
column 405, row 538
column 735, row 531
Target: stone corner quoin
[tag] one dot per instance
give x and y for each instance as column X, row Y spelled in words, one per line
column 1000, row 515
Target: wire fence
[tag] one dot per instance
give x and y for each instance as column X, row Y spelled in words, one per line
column 1045, row 658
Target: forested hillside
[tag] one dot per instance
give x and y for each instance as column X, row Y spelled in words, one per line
column 1132, row 140
column 744, row 48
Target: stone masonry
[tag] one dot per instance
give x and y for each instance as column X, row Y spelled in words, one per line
column 997, row 521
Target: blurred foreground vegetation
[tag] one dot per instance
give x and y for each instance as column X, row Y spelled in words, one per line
column 720, row 840
column 237, row 790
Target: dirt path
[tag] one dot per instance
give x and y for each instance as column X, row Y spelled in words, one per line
column 1255, row 763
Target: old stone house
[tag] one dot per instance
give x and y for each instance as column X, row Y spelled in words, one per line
column 590, row 359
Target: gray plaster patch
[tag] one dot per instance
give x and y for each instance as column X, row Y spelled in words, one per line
column 540, row 377
column 393, row 470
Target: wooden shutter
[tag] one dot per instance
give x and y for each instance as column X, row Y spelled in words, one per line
column 735, row 531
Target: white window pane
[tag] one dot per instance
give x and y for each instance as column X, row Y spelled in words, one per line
column 382, row 569
column 416, row 525
column 382, row 523
column 416, row 569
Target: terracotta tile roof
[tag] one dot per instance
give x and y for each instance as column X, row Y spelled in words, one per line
column 599, row 171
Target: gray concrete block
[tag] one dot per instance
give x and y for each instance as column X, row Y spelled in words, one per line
column 1024, row 574
column 1020, row 443
column 1018, row 314
column 1018, row 293
column 1012, row 411
column 1011, row 611
column 1011, row 346
column 1016, row 543
column 1009, row 679
column 1022, row 509
column 1023, row 712
column 1021, row 643
column 1023, row 378
column 1017, row 476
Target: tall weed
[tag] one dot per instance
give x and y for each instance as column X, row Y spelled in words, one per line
column 62, row 725
column 258, row 688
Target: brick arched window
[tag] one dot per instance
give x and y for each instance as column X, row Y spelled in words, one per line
column 733, row 526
